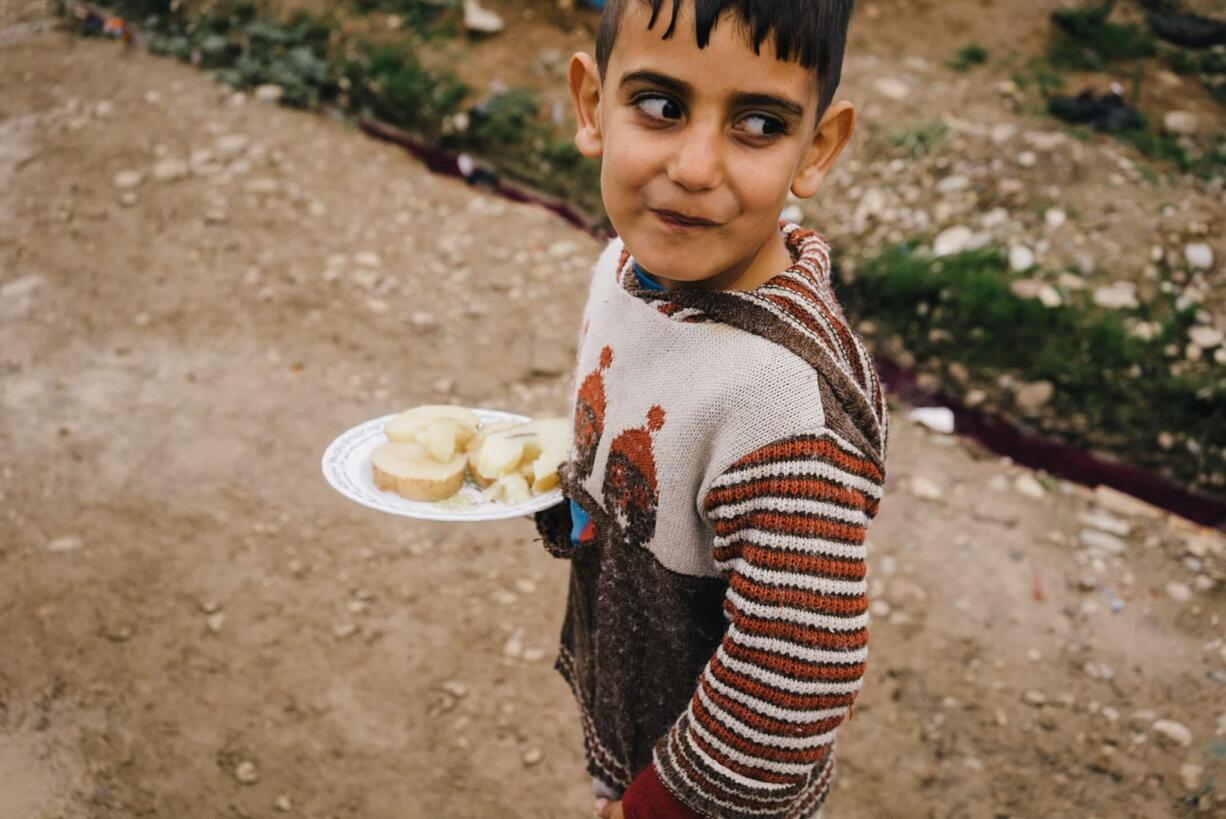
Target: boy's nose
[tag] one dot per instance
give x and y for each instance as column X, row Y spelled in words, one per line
column 698, row 163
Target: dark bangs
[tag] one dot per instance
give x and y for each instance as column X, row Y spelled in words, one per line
column 812, row 33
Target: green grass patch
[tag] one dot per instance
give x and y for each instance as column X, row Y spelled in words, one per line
column 1114, row 392
column 315, row 62
column 969, row 56
column 1090, row 42
column 920, row 138
column 389, row 82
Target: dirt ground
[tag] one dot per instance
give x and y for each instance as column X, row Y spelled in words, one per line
column 192, row 624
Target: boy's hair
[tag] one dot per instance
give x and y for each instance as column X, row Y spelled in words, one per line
column 811, row 32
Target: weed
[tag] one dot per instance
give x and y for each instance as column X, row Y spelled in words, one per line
column 969, row 55
column 919, row 139
column 389, row 82
column 1091, row 41
column 1115, row 392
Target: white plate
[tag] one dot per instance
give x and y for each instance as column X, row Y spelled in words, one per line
column 346, row 465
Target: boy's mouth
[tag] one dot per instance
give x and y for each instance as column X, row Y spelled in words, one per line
column 671, row 217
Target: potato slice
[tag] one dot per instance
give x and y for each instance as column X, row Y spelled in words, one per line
column 474, row 447
column 407, row 425
column 534, row 450
column 444, row 437
column 498, row 456
column 511, row 488
column 406, row 468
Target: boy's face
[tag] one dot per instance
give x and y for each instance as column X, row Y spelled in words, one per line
column 717, row 134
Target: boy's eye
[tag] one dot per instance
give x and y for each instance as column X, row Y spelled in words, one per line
column 763, row 126
column 658, row 107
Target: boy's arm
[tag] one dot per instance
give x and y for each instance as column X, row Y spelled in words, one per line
column 789, row 521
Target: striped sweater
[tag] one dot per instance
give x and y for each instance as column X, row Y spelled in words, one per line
column 729, row 451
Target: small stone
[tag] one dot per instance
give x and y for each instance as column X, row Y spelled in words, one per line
column 953, row 184
column 513, row 648
column 1021, row 258
column 1102, row 541
column 533, row 655
column 283, row 804
column 532, row 756
column 952, row 240
column 245, row 772
column 1104, row 521
column 1205, row 337
column 368, row 258
column 261, row 185
column 231, row 144
column 423, row 320
column 880, row 608
column 1049, row 296
column 1035, row 698
column 269, row 92
column 1198, row 255
column 892, row 88
column 127, row 199
column 480, row 19
column 377, row 306
column 216, row 216
column 1028, row 485
column 215, row 621
column 503, row 597
column 1027, row 159
column 1034, row 396
column 1054, row 218
column 1179, row 592
column 937, row 419
column 365, row 279
column 1191, row 775
column 1026, row 288
column 344, row 631
column 1170, row 732
column 170, row 170
column 1108, row 761
column 456, row 689
column 1117, row 296
column 1184, row 123
column 68, row 543
column 925, row 488
column 125, row 180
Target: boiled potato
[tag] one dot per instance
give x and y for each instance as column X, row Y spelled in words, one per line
column 534, row 450
column 422, row 422
column 474, row 448
column 405, row 467
column 511, row 488
column 444, row 437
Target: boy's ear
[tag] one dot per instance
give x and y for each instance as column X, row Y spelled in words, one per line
column 832, row 134
column 583, row 77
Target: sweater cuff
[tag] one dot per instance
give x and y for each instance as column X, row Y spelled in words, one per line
column 647, row 798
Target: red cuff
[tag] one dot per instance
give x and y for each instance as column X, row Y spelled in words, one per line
column 647, row 798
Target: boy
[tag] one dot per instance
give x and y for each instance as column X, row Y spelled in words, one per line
column 730, row 431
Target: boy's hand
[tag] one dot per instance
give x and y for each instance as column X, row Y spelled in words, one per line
column 609, row 810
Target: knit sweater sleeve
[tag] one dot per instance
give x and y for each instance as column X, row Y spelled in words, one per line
column 756, row 740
